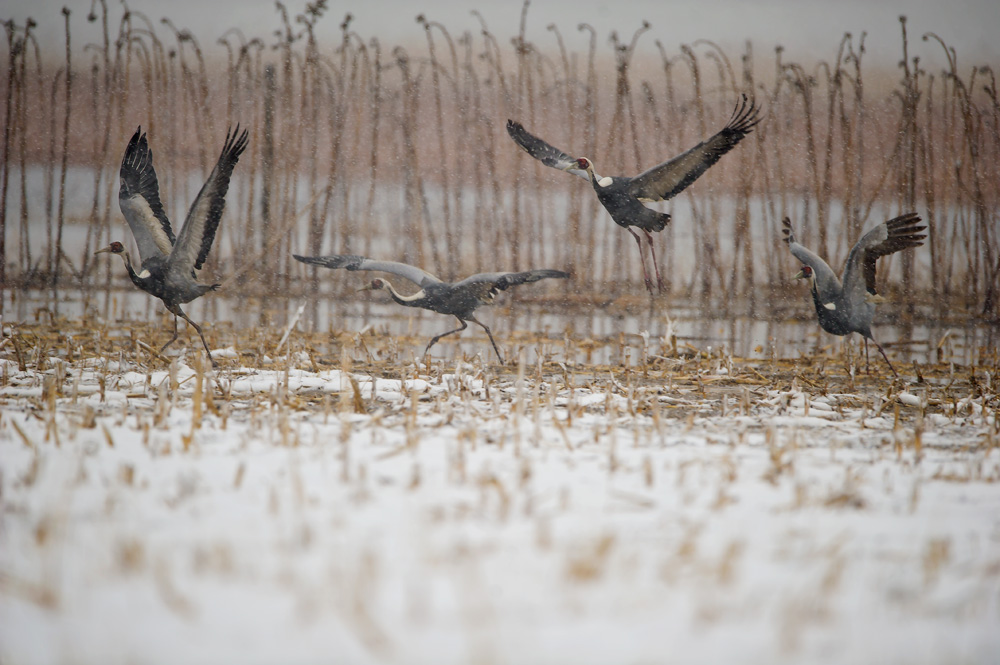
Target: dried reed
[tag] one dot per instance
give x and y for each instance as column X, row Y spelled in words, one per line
column 409, row 159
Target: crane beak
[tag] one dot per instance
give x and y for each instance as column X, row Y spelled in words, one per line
column 106, row 250
column 800, row 275
column 366, row 287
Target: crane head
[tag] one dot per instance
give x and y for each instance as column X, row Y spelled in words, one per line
column 114, row 248
column 584, row 163
column 375, row 285
column 805, row 273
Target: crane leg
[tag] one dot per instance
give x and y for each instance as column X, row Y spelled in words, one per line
column 882, row 351
column 490, row 335
column 656, row 265
column 642, row 259
column 178, row 312
column 172, row 339
column 450, row 332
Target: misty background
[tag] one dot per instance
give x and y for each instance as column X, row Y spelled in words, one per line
column 806, row 28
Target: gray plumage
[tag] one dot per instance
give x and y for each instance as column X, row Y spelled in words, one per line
column 139, row 200
column 848, row 306
column 353, row 262
column 459, row 299
column 623, row 197
column 168, row 263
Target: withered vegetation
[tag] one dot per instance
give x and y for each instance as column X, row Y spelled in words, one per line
column 371, row 148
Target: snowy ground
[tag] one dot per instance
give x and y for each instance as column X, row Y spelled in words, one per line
column 697, row 510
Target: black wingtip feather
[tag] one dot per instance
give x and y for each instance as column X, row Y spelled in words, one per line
column 746, row 115
column 137, row 176
column 786, row 230
column 133, row 143
column 904, row 231
column 333, row 262
column 311, row 260
column 235, row 142
column 521, row 136
column 518, row 278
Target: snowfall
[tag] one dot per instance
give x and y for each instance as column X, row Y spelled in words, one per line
column 301, row 514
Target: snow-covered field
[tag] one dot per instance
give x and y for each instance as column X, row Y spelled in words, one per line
column 697, row 511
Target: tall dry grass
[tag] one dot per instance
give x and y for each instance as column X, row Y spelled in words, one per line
column 401, row 153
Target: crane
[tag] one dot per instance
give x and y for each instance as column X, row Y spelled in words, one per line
column 843, row 308
column 168, row 264
column 459, row 299
column 623, row 197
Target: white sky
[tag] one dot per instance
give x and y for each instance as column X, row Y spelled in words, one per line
column 807, row 28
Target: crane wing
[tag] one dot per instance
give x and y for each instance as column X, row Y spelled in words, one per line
column 505, row 280
column 670, row 178
column 893, row 236
column 354, row 262
column 484, row 286
column 827, row 284
column 543, row 152
column 196, row 237
column 139, row 200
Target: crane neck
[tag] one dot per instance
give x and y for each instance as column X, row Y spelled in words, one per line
column 409, row 301
column 593, row 175
column 823, row 308
column 131, row 271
